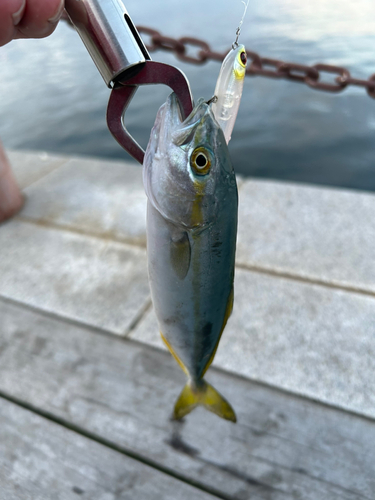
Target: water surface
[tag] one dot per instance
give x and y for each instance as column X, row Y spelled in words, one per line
column 53, row 98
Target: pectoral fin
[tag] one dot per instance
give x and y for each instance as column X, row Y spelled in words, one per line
column 180, row 254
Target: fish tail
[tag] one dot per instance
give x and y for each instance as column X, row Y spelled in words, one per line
column 205, row 395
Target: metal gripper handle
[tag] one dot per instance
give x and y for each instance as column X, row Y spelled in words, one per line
column 110, row 37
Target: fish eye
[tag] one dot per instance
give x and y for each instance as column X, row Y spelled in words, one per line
column 200, row 161
column 242, row 58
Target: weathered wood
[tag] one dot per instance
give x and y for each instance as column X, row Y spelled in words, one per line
column 318, row 233
column 96, row 281
column 29, row 167
column 40, row 460
column 320, row 341
column 10, row 196
column 282, row 447
column 94, row 196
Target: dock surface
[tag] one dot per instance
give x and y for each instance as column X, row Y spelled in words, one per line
column 87, row 388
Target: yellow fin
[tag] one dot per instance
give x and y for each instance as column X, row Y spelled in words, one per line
column 170, row 349
column 204, row 395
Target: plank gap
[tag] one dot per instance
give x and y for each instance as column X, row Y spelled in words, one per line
column 305, row 279
column 142, row 313
column 62, row 227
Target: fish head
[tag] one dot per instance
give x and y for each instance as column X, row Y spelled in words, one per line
column 187, row 169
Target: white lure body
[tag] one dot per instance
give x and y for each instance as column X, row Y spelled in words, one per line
column 229, row 88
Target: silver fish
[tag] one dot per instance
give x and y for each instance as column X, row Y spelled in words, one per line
column 191, row 239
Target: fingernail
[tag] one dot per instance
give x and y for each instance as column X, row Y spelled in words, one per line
column 17, row 16
column 56, row 17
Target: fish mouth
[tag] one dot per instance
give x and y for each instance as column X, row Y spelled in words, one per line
column 169, row 128
column 181, row 132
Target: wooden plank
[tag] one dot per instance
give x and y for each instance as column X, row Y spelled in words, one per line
column 92, row 280
column 282, row 447
column 31, row 166
column 93, row 196
column 314, row 232
column 40, row 460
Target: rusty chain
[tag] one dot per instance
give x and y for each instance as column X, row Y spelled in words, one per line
column 263, row 66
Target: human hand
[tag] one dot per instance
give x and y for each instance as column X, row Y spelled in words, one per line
column 28, row 18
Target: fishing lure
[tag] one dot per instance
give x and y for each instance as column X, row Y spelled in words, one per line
column 228, row 89
column 229, row 86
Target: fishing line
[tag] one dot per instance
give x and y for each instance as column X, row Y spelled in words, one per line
column 238, row 30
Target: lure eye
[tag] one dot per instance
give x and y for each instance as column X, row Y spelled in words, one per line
column 243, row 58
column 200, row 161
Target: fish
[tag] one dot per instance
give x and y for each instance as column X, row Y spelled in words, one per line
column 229, row 87
column 191, row 242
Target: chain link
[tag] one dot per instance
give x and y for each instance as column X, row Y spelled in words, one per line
column 195, row 51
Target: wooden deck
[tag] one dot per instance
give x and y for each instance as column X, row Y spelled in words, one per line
column 85, row 408
column 84, row 412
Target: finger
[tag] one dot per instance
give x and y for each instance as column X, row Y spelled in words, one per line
column 10, row 196
column 40, row 18
column 11, row 13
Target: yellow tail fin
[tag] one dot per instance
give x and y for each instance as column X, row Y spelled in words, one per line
column 206, row 396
